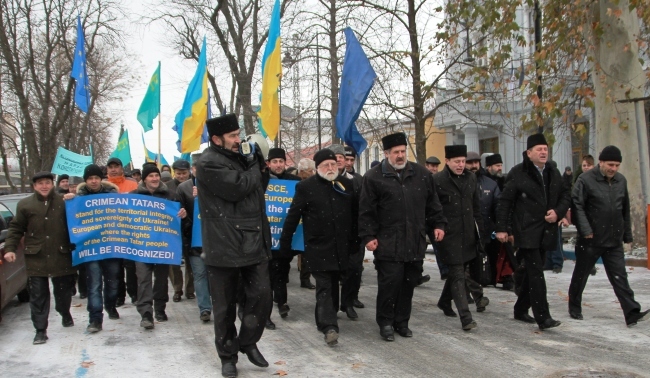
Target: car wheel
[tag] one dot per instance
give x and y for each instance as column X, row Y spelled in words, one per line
column 23, row 296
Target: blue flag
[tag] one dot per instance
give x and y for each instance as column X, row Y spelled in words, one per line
column 79, row 72
column 357, row 79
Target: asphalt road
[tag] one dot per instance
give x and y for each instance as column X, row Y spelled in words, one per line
column 599, row 346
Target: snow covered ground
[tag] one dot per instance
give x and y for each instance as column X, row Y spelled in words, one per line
column 601, row 345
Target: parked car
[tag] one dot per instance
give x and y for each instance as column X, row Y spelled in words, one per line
column 13, row 276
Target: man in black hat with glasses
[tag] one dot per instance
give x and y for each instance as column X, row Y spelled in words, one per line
column 398, row 206
column 231, row 181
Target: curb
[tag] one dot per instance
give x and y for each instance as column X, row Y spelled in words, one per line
column 629, row 261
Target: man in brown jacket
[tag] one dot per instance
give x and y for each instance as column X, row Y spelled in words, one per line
column 41, row 219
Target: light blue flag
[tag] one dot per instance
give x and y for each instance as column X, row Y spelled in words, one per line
column 79, row 72
column 123, row 149
column 357, row 80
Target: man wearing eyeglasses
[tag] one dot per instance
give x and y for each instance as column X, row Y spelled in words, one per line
column 328, row 206
column 398, row 206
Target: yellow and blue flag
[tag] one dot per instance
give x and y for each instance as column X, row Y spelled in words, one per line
column 190, row 120
column 150, row 157
column 269, row 113
column 150, row 107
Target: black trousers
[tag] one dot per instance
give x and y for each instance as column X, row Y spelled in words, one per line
column 131, row 285
column 82, row 277
column 39, row 298
column 224, row 284
column 153, row 292
column 279, row 268
column 396, row 281
column 352, row 279
column 473, row 288
column 614, row 263
column 327, row 300
column 533, row 285
column 455, row 289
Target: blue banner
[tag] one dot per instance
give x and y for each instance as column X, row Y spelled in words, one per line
column 70, row 163
column 279, row 195
column 196, row 226
column 129, row 226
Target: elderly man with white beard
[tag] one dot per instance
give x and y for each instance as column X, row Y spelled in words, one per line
column 328, row 206
column 398, row 207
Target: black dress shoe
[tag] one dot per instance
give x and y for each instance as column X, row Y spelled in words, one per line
column 119, row 302
column 66, row 320
column 331, row 337
column 525, row 318
column 161, row 316
column 444, row 276
column 424, row 279
column 351, row 313
column 269, row 325
column 94, row 327
column 356, row 303
column 386, row 333
column 482, row 303
column 637, row 317
column 228, row 369
column 469, row 325
column 112, row 313
column 283, row 310
column 447, row 310
column 549, row 323
column 307, row 285
column 254, row 356
column 177, row 296
column 190, row 296
column 40, row 338
column 575, row 315
column 147, row 321
column 404, row 332
column 205, row 316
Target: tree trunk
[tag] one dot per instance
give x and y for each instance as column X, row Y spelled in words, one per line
column 418, row 101
column 334, row 69
column 618, row 75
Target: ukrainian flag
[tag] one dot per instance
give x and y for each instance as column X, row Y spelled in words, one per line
column 269, row 113
column 190, row 120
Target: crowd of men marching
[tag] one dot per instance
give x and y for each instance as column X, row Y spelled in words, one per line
column 477, row 220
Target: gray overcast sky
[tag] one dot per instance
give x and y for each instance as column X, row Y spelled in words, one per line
column 148, row 47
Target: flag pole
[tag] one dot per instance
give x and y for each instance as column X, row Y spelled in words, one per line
column 159, row 117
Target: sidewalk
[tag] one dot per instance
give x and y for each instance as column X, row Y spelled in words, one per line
column 601, row 345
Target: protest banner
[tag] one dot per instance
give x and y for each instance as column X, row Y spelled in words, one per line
column 70, row 163
column 130, row 226
column 197, row 240
column 279, row 194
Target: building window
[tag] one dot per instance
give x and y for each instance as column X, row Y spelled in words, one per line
column 490, row 145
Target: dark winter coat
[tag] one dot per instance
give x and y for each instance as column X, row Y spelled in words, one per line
column 489, row 193
column 328, row 218
column 398, row 211
column 234, row 224
column 497, row 179
column 602, row 208
column 106, row 187
column 461, row 206
column 42, row 221
column 186, row 197
column 524, row 202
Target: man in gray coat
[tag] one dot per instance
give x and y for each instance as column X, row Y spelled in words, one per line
column 602, row 217
column 236, row 240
